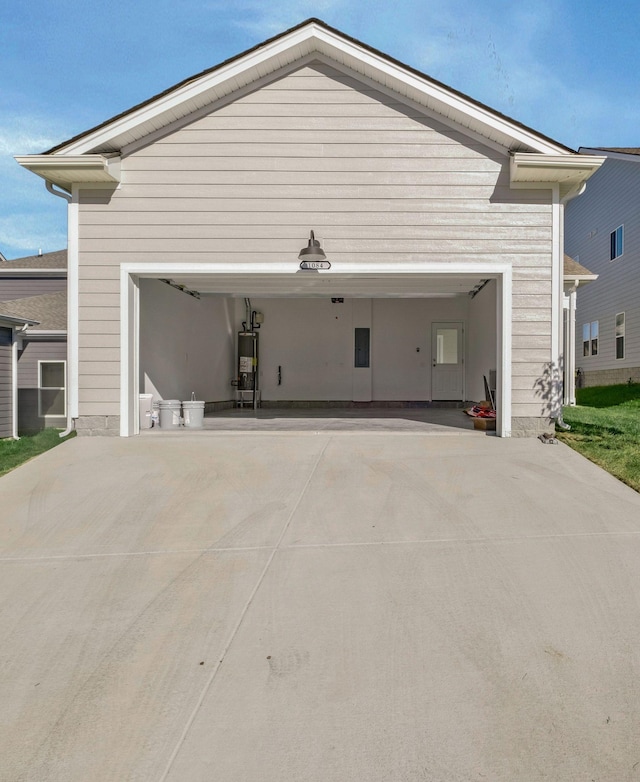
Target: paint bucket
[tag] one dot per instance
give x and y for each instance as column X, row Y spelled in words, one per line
column 193, row 412
column 169, row 410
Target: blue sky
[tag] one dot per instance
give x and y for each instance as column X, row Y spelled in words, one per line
column 568, row 69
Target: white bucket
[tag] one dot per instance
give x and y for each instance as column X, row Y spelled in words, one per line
column 193, row 412
column 146, row 406
column 169, row 413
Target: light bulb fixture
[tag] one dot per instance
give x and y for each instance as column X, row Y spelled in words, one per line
column 313, row 251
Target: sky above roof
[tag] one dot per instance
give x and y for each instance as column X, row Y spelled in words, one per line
column 565, row 68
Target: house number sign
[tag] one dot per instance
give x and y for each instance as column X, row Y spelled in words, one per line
column 315, row 265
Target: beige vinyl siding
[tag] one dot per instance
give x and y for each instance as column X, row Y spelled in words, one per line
column 377, row 180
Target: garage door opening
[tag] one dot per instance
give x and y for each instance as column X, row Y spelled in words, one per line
column 324, row 342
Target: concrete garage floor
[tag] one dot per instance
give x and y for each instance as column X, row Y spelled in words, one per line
column 406, row 419
column 318, row 607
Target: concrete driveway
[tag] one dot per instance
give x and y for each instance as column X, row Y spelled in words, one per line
column 318, row 607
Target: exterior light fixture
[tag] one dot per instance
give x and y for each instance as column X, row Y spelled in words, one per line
column 313, row 251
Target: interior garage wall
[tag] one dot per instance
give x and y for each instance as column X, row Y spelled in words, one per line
column 186, row 344
column 400, row 328
column 481, row 338
column 312, row 340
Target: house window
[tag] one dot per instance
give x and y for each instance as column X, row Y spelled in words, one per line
column 6, row 336
column 617, row 243
column 586, row 339
column 52, row 382
column 620, row 329
column 590, row 339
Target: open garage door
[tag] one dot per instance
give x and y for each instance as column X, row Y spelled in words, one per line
column 355, row 336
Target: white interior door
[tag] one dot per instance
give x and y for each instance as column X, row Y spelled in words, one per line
column 447, row 361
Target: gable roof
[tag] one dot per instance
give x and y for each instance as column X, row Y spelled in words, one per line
column 309, row 39
column 46, row 312
column 56, row 260
column 93, row 156
column 576, row 271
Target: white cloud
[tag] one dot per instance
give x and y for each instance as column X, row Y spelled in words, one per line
column 30, row 218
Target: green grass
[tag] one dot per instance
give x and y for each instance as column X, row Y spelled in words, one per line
column 608, row 396
column 605, row 427
column 15, row 452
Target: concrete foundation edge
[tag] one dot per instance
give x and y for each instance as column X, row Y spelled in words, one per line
column 109, row 425
column 89, row 425
column 531, row 426
column 608, row 377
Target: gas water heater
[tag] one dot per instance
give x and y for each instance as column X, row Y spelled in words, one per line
column 248, row 365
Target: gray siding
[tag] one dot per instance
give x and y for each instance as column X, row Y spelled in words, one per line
column 21, row 287
column 612, row 198
column 6, row 393
column 377, row 180
column 32, row 352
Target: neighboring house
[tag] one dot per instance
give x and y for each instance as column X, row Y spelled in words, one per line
column 575, row 276
column 441, row 220
column 603, row 233
column 11, row 325
column 33, row 291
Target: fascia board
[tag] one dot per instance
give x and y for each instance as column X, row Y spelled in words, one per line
column 9, row 319
column 584, row 278
column 271, row 57
column 46, row 333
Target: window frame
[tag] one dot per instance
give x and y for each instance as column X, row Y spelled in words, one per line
column 586, row 340
column 41, row 363
column 590, row 338
column 616, row 245
column 620, row 336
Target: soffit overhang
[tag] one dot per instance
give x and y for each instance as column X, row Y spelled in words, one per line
column 569, row 172
column 65, row 170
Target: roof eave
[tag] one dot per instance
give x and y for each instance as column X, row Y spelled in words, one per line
column 569, row 171
column 66, row 170
column 580, row 277
column 16, row 320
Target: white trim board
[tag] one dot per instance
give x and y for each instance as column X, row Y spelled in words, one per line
column 130, row 273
